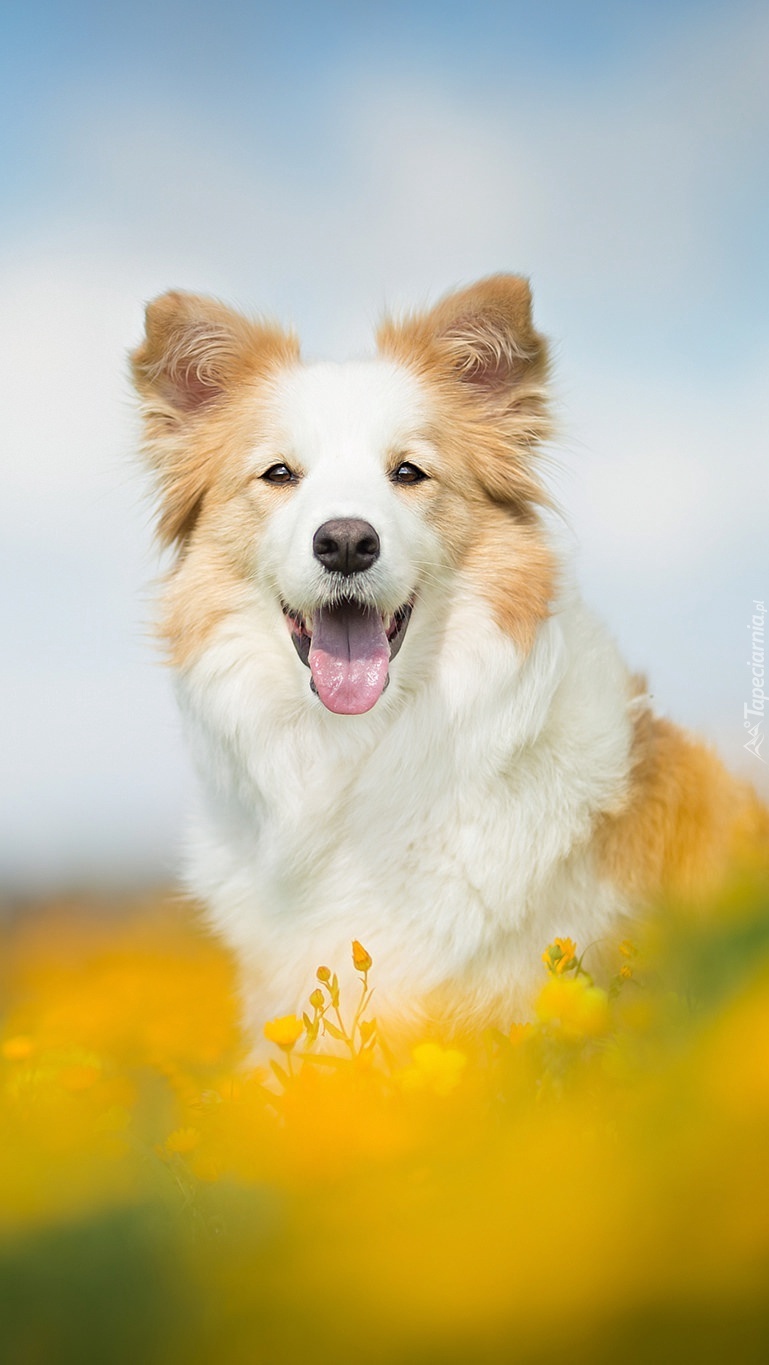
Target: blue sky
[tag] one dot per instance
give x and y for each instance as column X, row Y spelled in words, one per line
column 316, row 162
column 274, row 91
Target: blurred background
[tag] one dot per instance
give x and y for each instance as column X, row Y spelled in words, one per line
column 318, row 162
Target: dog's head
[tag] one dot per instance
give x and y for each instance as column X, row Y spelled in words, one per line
column 347, row 496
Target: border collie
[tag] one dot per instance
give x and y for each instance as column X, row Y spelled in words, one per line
column 409, row 730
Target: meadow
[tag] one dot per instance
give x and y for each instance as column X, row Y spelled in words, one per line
column 588, row 1185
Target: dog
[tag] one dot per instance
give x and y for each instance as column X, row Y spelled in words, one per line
column 408, row 728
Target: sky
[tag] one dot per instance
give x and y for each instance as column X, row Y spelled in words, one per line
column 319, row 162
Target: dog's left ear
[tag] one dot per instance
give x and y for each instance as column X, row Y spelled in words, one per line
column 478, row 348
column 482, row 338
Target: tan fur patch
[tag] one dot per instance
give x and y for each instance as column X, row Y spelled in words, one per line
column 513, row 570
column 212, row 575
column 200, row 373
column 687, row 823
column 479, row 353
column 195, row 372
column 201, row 592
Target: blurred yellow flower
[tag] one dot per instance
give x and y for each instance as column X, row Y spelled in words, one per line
column 182, row 1141
column 560, row 956
column 628, row 948
column 135, row 1099
column 437, row 1069
column 285, row 1032
column 17, row 1049
column 578, row 1009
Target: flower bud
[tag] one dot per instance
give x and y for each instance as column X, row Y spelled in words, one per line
column 361, row 960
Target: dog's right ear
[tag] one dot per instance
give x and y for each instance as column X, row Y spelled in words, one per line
column 195, row 355
column 196, row 350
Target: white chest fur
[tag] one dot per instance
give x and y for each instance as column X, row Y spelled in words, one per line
column 448, row 830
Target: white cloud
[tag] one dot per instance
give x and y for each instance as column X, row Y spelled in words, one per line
column 63, row 335
column 668, row 464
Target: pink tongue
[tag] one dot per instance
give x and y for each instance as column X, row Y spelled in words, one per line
column 349, row 658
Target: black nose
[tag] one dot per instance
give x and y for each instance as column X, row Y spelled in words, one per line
column 346, row 546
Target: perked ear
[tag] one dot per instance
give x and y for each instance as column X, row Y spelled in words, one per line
column 480, row 348
column 483, row 336
column 195, row 354
column 488, row 332
column 196, row 350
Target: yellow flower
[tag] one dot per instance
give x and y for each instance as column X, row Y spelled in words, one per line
column 435, row 1068
column 579, row 1010
column 323, row 973
column 520, row 1032
column 625, row 972
column 560, row 956
column 317, row 998
column 360, row 958
column 285, row 1032
column 18, row 1049
column 627, row 948
column 183, row 1140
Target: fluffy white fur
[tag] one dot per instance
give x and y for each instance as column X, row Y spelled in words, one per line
column 448, row 828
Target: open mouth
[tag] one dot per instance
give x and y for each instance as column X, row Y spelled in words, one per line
column 347, row 648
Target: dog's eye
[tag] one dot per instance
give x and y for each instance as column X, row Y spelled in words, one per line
column 408, row 473
column 278, row 473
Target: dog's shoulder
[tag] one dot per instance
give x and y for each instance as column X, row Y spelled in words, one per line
column 686, row 823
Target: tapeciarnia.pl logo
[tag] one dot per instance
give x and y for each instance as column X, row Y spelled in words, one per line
column 754, row 711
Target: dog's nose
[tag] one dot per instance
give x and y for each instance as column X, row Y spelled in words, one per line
column 346, row 546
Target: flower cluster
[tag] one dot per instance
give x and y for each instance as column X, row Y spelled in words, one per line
column 434, row 1202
